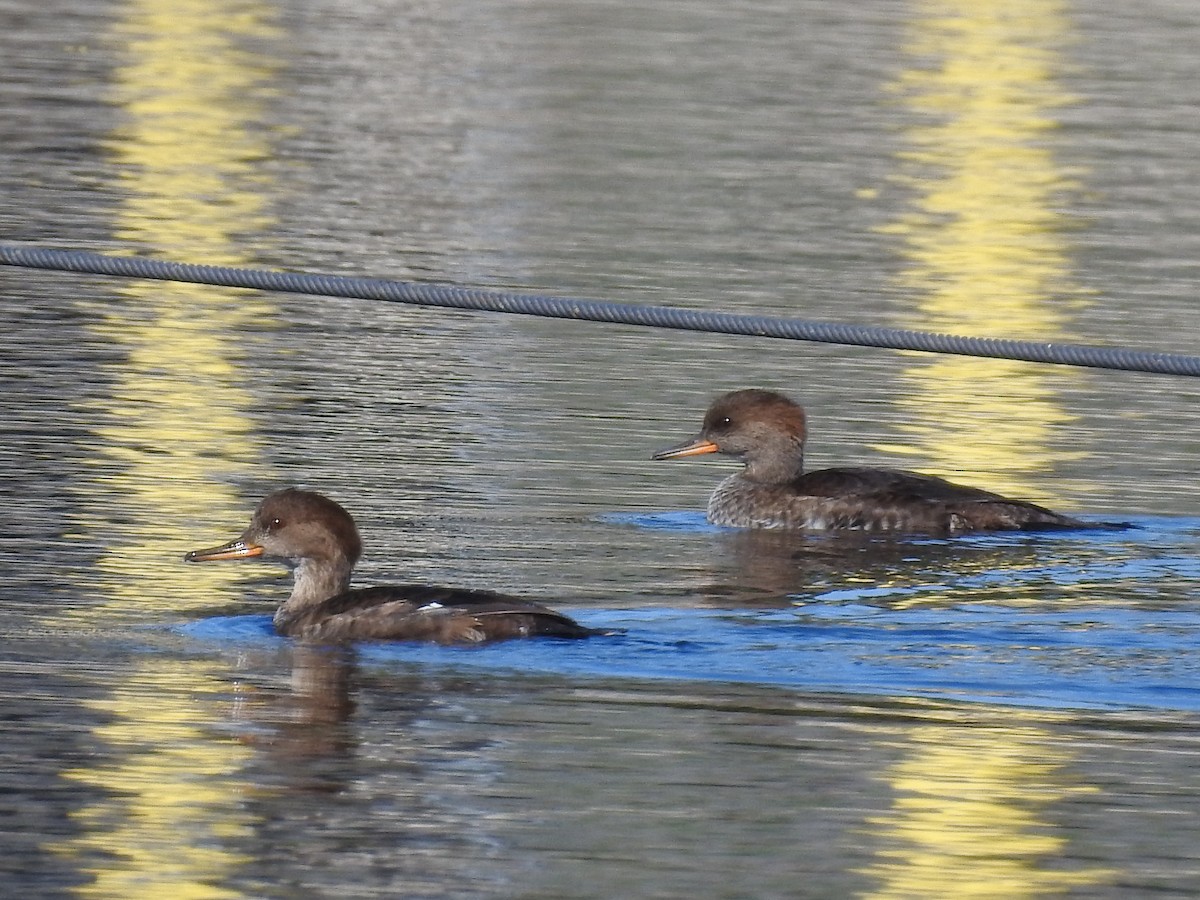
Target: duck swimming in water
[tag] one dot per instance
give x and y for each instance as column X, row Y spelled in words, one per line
column 766, row 430
column 321, row 540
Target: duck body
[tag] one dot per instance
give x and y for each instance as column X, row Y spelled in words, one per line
column 767, row 431
column 422, row 612
column 874, row 500
column 321, row 540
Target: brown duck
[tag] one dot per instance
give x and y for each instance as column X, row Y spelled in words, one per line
column 766, row 430
column 320, row 539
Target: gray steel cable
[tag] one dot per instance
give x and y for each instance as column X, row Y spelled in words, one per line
column 452, row 297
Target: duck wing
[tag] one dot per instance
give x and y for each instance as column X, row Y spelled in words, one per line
column 925, row 502
column 421, row 612
column 896, row 483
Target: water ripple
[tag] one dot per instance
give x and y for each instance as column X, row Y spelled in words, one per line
column 1058, row 658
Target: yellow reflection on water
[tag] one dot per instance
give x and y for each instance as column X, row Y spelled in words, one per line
column 984, row 243
column 984, row 254
column 969, row 818
column 172, row 435
column 173, row 815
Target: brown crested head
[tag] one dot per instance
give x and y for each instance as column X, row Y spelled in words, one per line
column 741, row 422
column 765, row 429
column 295, row 524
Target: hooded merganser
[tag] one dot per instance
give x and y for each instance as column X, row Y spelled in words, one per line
column 321, row 540
column 766, row 430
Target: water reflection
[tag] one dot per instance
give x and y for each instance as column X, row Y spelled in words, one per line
column 778, row 568
column 308, row 724
column 972, row 814
column 984, row 244
column 985, row 254
column 172, row 814
column 175, row 431
column 378, row 761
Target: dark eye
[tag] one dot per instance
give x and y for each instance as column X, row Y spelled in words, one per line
column 724, row 422
column 274, row 525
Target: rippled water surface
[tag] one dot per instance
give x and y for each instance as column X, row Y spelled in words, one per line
column 773, row 715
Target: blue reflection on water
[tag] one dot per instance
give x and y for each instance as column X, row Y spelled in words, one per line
column 1078, row 650
column 1059, row 658
column 671, row 520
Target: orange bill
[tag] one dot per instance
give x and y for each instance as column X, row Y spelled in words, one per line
column 236, row 549
column 694, row 447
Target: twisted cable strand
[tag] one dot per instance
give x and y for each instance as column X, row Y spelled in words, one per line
column 453, row 297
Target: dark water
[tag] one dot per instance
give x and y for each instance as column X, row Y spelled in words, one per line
column 778, row 716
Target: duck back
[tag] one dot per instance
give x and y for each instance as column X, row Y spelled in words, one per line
column 421, row 612
column 875, row 500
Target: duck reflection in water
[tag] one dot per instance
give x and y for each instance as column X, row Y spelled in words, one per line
column 783, row 568
column 307, row 730
column 366, row 762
